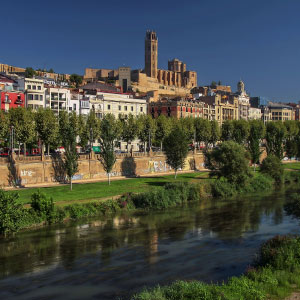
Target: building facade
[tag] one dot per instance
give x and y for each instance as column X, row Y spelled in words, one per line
column 11, row 99
column 57, row 99
column 280, row 112
column 178, row 108
column 244, row 101
column 34, row 92
column 224, row 106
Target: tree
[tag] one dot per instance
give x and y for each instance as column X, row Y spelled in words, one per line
column 71, row 161
column 47, row 127
column 187, row 125
column 109, row 132
column 240, row 131
column 272, row 166
column 275, row 134
column 163, row 128
column 215, row 132
column 213, row 84
column 68, row 128
column 92, row 124
column 256, row 134
column 83, row 131
column 10, row 212
column 227, row 131
column 228, row 160
column 76, row 79
column 203, row 131
column 29, row 72
column 4, row 128
column 175, row 147
column 146, row 129
column 23, row 123
column 50, row 70
column 292, row 130
column 129, row 130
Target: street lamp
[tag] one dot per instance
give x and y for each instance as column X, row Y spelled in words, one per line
column 12, row 133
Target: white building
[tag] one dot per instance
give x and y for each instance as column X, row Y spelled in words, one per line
column 254, row 113
column 57, row 99
column 74, row 104
column 34, row 92
column 120, row 105
column 244, row 101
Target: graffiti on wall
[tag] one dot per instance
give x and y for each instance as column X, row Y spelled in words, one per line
column 27, row 173
column 158, row 166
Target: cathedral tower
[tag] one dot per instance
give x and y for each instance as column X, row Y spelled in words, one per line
column 151, row 54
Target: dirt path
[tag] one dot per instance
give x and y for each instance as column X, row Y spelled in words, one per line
column 294, row 296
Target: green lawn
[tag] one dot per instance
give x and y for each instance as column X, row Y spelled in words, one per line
column 292, row 166
column 97, row 190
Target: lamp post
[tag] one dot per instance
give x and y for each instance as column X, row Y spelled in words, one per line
column 12, row 133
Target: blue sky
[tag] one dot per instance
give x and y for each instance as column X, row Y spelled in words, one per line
column 227, row 40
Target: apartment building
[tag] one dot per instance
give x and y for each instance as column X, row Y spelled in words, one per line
column 34, row 92
column 120, row 105
column 223, row 106
column 57, row 99
column 280, row 111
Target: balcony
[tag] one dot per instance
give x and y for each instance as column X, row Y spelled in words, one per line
column 19, row 101
column 7, row 100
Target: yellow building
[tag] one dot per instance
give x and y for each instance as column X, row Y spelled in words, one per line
column 280, row 112
column 224, row 106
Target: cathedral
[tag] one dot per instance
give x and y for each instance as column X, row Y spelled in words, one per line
column 176, row 75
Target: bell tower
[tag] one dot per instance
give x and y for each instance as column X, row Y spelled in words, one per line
column 151, row 54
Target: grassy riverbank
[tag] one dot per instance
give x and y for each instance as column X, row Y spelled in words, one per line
column 98, row 190
column 274, row 275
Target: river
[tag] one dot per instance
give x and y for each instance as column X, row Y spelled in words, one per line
column 115, row 257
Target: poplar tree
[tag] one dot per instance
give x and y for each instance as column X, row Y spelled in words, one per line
column 109, row 133
column 163, row 128
column 176, row 149
column 47, row 127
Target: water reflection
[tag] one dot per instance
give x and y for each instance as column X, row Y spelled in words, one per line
column 209, row 240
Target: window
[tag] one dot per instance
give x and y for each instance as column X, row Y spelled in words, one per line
column 108, row 106
column 119, row 107
column 125, row 108
column 39, row 87
column 41, row 97
column 29, row 87
column 30, row 97
column 131, row 108
column 141, row 109
column 36, row 97
column 34, row 87
column 74, row 106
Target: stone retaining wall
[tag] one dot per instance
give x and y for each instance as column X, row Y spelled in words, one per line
column 28, row 171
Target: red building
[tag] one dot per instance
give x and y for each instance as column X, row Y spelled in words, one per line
column 11, row 99
column 9, row 96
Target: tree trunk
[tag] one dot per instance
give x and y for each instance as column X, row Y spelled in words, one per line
column 108, row 175
column 254, row 167
column 144, row 147
column 175, row 173
column 127, row 147
column 48, row 149
column 24, row 149
column 161, row 146
column 71, row 183
column 19, row 150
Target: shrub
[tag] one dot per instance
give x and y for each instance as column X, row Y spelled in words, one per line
column 229, row 160
column 272, row 166
column 257, row 183
column 281, row 253
column 223, row 188
column 11, row 213
column 43, row 206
